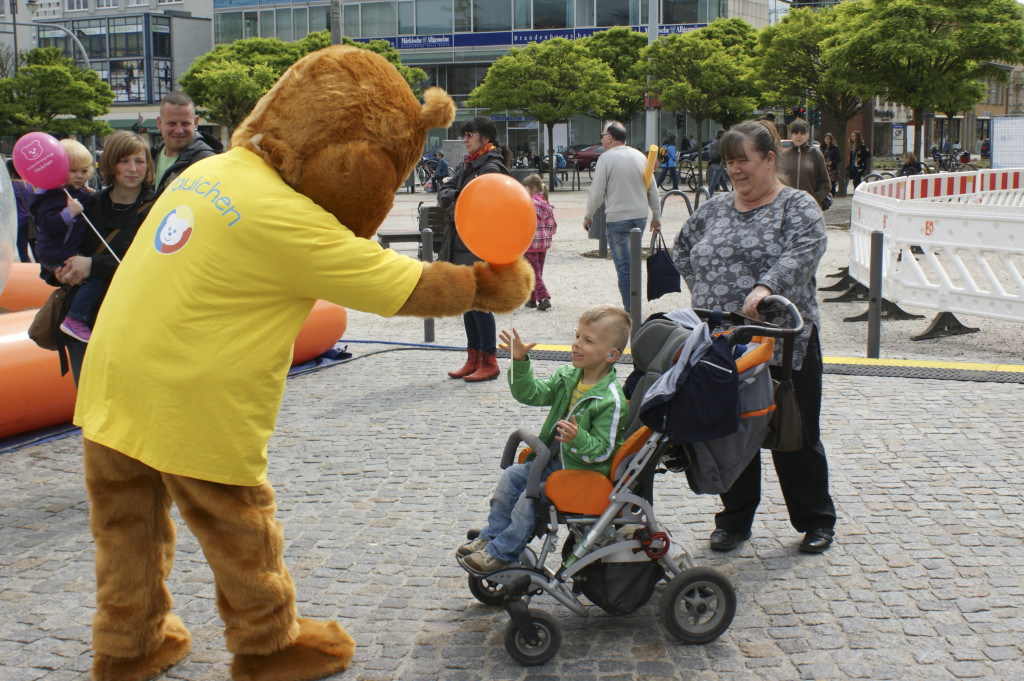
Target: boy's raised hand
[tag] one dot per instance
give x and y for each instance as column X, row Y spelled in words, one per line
column 513, row 345
column 565, row 431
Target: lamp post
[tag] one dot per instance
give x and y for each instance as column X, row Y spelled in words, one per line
column 14, row 32
column 33, row 7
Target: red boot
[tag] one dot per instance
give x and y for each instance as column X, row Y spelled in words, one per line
column 471, row 365
column 487, row 370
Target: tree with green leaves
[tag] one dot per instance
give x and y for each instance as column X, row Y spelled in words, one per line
column 550, row 81
column 695, row 74
column 916, row 51
column 792, row 65
column 226, row 82
column 52, row 94
column 740, row 42
column 620, row 49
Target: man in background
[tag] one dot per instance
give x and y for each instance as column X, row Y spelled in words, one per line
column 183, row 144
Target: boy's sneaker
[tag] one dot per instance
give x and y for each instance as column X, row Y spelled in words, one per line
column 477, row 544
column 482, row 563
column 76, row 329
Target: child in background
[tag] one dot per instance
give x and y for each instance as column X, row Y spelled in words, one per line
column 587, row 421
column 61, row 228
column 535, row 254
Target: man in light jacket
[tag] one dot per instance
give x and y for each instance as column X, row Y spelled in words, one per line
column 619, row 183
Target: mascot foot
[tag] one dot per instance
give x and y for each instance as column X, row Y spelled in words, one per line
column 321, row 649
column 176, row 645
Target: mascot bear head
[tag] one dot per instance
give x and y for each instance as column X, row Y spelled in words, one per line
column 343, row 127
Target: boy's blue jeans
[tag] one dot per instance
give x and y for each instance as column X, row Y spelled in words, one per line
column 513, row 516
column 618, row 244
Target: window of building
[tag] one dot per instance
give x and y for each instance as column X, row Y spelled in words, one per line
column 523, row 14
column 463, row 15
column 319, row 18
column 406, row 18
column 251, row 24
column 585, row 12
column 492, row 15
column 552, row 14
column 126, row 80
column 300, row 22
column 167, row 2
column 465, row 78
column 267, row 23
column 126, row 38
column 284, row 25
column 136, row 3
column 612, row 13
column 433, row 16
column 163, row 81
column 73, row 5
column 378, row 19
column 680, row 11
column 93, row 36
column 106, row 4
column 161, row 36
column 227, row 27
column 350, row 21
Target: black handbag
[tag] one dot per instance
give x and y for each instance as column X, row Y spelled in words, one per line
column 786, row 429
column 662, row 275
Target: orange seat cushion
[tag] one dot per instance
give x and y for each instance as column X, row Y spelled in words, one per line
column 578, row 491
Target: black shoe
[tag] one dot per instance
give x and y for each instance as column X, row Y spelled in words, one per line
column 722, row 540
column 816, row 541
column 531, row 304
column 544, row 304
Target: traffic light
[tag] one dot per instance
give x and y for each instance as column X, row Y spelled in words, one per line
column 801, row 112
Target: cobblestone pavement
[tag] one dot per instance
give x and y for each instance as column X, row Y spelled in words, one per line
column 381, row 463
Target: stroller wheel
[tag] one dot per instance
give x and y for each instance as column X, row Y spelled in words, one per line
column 698, row 605
column 549, row 636
column 485, row 591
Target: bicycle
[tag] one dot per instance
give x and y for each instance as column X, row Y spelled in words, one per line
column 952, row 163
column 686, row 173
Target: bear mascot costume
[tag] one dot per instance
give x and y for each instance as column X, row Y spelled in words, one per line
column 185, row 372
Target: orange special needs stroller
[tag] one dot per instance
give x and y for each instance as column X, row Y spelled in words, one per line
column 616, row 551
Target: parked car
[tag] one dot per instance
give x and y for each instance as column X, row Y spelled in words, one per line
column 585, row 157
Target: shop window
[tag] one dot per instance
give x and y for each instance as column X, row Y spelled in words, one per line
column 161, row 29
column 492, row 15
column 227, row 27
column 433, row 16
column 552, row 14
column 267, row 23
column 585, row 13
column 283, row 18
column 463, row 15
column 524, row 20
column 252, row 25
column 378, row 19
column 680, row 11
column 612, row 13
column 319, row 18
column 300, row 20
column 406, row 18
column 350, row 21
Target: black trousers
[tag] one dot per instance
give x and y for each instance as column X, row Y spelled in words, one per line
column 803, row 475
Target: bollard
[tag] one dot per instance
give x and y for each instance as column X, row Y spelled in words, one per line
column 427, row 255
column 875, row 295
column 635, row 278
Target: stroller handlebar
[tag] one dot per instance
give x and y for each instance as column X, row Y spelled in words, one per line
column 746, row 328
column 542, row 456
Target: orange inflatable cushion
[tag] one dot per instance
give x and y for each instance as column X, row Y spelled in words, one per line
column 586, row 492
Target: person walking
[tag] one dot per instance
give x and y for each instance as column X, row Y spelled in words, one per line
column 535, row 254
column 182, row 143
column 765, row 238
column 830, row 150
column 860, row 157
column 668, row 164
column 716, row 169
column 483, row 155
column 441, row 171
column 802, row 166
column 619, row 184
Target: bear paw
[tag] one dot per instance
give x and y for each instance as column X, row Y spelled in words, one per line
column 176, row 645
column 321, row 649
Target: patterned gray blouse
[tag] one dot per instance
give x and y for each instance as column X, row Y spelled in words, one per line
column 724, row 253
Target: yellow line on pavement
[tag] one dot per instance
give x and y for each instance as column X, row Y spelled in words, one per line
column 915, row 363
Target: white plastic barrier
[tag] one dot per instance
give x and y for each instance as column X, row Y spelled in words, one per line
column 969, row 228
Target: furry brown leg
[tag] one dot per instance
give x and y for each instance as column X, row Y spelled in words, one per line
column 321, row 649
column 175, row 646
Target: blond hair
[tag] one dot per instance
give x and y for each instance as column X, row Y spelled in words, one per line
column 617, row 319
column 535, row 185
column 78, row 155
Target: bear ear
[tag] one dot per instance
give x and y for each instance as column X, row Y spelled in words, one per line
column 438, row 109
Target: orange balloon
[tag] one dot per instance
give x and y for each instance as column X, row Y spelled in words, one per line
column 495, row 218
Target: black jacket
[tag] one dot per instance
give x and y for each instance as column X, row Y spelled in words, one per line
column 452, row 248
column 201, row 146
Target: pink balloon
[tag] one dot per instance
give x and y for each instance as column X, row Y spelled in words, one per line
column 41, row 160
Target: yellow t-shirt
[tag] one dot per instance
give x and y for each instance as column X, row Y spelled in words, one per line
column 187, row 363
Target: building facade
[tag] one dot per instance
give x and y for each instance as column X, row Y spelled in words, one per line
column 456, row 41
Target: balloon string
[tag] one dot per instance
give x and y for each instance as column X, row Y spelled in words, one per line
column 96, row 230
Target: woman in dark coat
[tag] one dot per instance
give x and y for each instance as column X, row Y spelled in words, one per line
column 117, row 211
column 860, row 157
column 483, row 155
column 830, row 150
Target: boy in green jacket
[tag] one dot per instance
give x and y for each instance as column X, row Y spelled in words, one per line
column 587, row 420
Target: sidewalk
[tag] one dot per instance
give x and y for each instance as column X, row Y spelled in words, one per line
column 381, row 463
